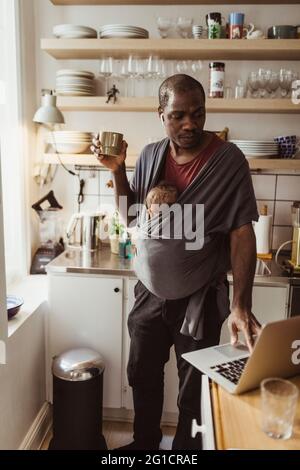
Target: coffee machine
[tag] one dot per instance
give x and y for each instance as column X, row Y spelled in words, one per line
column 52, row 245
column 295, row 259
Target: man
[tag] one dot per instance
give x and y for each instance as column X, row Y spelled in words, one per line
column 182, row 295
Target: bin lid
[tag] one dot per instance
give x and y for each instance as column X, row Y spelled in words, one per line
column 78, row 365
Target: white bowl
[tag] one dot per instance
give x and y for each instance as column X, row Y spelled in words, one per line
column 71, row 147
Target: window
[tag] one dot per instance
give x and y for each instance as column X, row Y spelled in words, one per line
column 12, row 161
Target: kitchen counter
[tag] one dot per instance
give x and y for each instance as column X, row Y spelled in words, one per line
column 237, row 422
column 97, row 262
column 104, row 262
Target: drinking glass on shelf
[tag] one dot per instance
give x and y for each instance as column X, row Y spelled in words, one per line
column 228, row 92
column 184, row 26
column 124, row 74
column 164, row 26
column 106, row 70
column 135, row 72
column 196, row 67
column 152, row 71
column 183, row 66
column 285, row 82
column 253, row 84
column 263, row 77
column 273, row 84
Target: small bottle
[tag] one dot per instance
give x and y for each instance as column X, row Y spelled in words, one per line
column 125, row 246
column 216, row 79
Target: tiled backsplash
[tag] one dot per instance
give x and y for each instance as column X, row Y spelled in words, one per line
column 276, row 191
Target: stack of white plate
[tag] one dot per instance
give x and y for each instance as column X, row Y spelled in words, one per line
column 75, row 83
column 70, row 141
column 72, row 31
column 122, row 31
column 257, row 148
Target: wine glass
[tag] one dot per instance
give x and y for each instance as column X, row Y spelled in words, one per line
column 253, row 84
column 273, row 84
column 184, row 26
column 164, row 25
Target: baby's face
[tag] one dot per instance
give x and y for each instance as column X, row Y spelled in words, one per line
column 153, row 210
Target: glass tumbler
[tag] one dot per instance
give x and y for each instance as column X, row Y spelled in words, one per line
column 278, row 406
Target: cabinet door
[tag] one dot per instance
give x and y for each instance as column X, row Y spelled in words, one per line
column 269, row 303
column 86, row 311
column 171, row 377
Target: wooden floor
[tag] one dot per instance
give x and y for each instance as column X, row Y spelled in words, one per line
column 119, row 434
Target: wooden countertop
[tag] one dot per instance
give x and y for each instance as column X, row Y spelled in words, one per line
column 237, row 422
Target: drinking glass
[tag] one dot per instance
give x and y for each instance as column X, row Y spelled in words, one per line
column 278, row 406
column 273, row 84
column 164, row 26
column 106, row 70
column 285, row 82
column 253, row 84
column 184, row 26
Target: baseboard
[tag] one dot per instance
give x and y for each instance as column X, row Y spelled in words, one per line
column 39, row 429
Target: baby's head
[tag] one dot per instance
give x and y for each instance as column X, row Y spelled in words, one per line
column 163, row 193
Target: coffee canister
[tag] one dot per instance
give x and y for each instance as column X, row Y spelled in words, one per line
column 216, row 79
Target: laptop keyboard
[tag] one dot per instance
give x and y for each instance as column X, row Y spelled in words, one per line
column 231, row 370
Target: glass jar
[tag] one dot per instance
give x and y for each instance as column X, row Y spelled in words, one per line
column 216, row 79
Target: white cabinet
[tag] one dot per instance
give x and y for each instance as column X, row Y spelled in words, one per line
column 171, row 378
column 86, row 311
column 269, row 303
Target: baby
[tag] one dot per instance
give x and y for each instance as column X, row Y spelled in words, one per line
column 163, row 193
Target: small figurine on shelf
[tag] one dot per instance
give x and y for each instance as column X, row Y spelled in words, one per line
column 112, row 94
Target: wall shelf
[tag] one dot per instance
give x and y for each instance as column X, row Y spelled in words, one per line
column 246, row 105
column 81, row 159
column 170, row 2
column 206, row 49
column 90, row 160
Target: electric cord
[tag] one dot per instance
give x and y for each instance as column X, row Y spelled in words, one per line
column 80, row 198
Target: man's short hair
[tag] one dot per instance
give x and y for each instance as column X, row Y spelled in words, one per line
column 179, row 83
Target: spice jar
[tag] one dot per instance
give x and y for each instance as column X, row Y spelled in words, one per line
column 216, row 79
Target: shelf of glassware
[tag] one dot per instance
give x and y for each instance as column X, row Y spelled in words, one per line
column 170, row 2
column 90, row 160
column 206, row 49
column 149, row 104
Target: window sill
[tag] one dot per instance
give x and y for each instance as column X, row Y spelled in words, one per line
column 33, row 290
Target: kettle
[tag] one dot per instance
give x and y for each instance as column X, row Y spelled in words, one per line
column 83, row 231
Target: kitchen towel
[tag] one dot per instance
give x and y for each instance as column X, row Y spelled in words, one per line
column 262, row 230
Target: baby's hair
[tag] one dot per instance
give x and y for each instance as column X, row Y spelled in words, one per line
column 162, row 193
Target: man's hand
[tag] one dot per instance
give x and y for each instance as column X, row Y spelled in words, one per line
column 114, row 164
column 244, row 321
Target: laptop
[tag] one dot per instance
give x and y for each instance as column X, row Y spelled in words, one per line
column 237, row 371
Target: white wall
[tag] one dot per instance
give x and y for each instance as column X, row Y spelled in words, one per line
column 139, row 127
column 22, row 379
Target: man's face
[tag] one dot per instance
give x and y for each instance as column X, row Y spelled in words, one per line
column 184, row 118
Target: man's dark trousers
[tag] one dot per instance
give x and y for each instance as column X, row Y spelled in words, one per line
column 154, row 326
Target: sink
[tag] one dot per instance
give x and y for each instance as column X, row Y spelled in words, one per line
column 262, row 268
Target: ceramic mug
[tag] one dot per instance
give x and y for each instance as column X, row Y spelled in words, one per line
column 214, row 25
column 236, row 25
column 111, row 143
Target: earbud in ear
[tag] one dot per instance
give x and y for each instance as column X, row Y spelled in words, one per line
column 162, row 119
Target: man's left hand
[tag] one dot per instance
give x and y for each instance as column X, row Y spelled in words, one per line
column 244, row 321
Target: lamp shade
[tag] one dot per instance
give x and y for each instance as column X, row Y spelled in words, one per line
column 48, row 113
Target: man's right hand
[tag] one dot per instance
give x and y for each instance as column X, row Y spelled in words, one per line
column 114, row 164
